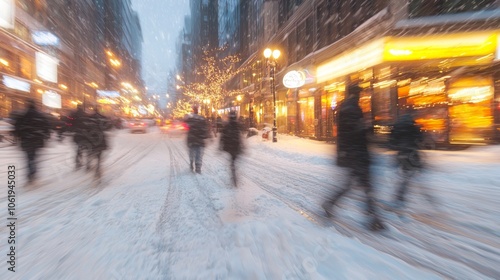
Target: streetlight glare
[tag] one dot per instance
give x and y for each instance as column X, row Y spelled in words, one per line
column 267, row 53
column 272, row 63
column 276, row 54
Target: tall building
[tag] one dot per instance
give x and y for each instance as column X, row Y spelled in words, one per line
column 123, row 36
column 56, row 52
column 204, row 29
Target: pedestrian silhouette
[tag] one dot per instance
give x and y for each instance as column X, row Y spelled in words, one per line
column 32, row 129
column 96, row 126
column 78, row 127
column 406, row 139
column 353, row 154
column 231, row 142
column 197, row 133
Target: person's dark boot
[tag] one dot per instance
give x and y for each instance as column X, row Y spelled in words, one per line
column 328, row 207
column 375, row 224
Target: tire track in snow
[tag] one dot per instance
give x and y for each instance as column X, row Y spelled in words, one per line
column 187, row 212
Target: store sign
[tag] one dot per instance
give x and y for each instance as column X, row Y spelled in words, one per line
column 364, row 57
column 51, row 99
column 46, row 67
column 45, row 38
column 16, row 84
column 294, row 79
column 7, row 13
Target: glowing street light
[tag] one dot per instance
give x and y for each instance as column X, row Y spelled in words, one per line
column 271, row 58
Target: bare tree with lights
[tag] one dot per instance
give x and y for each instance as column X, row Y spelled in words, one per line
column 212, row 76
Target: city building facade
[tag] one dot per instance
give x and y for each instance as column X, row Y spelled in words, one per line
column 56, row 52
column 440, row 59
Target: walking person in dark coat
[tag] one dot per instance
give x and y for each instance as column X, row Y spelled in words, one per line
column 197, row 133
column 96, row 125
column 405, row 138
column 77, row 121
column 231, row 142
column 353, row 154
column 32, row 129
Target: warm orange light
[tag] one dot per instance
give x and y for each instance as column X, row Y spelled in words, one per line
column 276, row 54
column 115, row 62
column 4, row 62
column 267, row 53
column 441, row 46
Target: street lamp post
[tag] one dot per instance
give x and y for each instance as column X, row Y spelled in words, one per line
column 271, row 57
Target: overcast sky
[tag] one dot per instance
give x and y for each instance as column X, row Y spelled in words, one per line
column 161, row 22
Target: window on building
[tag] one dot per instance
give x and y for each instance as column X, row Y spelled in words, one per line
column 322, row 32
column 309, row 29
column 301, row 41
column 8, row 62
column 292, row 44
column 25, row 68
column 22, row 31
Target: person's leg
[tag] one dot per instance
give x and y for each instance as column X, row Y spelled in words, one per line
column 31, row 155
column 374, row 221
column 233, row 169
column 408, row 165
column 403, row 187
column 191, row 158
column 198, row 158
column 78, row 157
column 331, row 201
column 90, row 156
column 98, row 163
column 363, row 174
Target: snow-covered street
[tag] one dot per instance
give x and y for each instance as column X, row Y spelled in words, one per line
column 150, row 217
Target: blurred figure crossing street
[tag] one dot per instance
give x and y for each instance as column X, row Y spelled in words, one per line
column 32, row 129
column 96, row 126
column 353, row 154
column 406, row 139
column 231, row 142
column 197, row 133
column 77, row 123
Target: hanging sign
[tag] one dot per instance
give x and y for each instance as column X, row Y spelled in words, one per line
column 45, row 38
column 51, row 99
column 294, row 79
column 46, row 67
column 16, row 84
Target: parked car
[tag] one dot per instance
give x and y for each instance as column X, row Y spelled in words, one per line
column 138, row 126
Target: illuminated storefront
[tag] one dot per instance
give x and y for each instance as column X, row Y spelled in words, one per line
column 448, row 79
